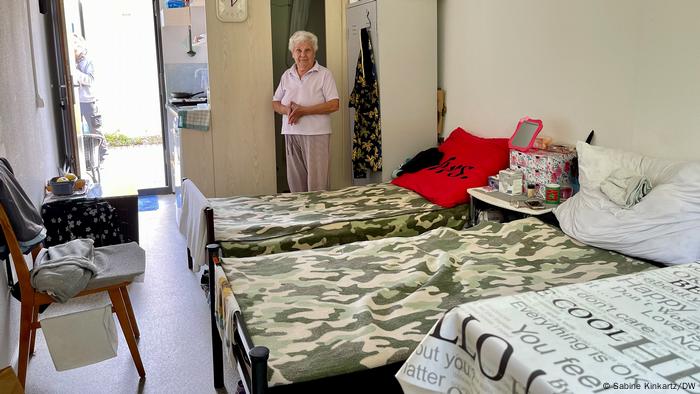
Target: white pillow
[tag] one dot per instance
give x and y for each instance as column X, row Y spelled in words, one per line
column 664, row 226
column 596, row 163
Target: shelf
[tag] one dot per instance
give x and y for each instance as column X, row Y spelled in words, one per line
column 505, row 201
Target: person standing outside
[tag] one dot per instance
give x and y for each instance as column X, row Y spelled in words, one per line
column 305, row 97
column 85, row 76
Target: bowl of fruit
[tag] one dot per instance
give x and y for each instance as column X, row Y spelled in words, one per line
column 63, row 185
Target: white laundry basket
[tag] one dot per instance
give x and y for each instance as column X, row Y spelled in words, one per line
column 81, row 338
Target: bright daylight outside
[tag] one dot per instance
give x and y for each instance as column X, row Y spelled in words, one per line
column 120, row 42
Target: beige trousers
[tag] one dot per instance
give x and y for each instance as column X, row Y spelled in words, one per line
column 308, row 164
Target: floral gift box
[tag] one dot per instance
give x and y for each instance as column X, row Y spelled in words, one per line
column 545, row 166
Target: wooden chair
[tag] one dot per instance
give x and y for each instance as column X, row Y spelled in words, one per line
column 114, row 282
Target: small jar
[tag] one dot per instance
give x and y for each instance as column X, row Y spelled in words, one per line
column 530, row 190
column 552, row 193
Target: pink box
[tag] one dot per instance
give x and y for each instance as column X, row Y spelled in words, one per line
column 543, row 166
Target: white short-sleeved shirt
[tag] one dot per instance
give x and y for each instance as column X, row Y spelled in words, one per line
column 315, row 87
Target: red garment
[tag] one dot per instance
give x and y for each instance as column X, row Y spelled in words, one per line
column 467, row 163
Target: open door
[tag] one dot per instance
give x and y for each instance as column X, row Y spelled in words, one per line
column 111, row 93
column 66, row 20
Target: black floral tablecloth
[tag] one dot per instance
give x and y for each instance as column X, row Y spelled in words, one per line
column 91, row 218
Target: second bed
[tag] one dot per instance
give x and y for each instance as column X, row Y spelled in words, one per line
column 252, row 226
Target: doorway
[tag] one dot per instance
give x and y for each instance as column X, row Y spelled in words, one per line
column 289, row 16
column 111, row 58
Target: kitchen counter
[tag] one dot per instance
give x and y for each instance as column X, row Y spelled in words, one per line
column 172, row 109
column 176, row 108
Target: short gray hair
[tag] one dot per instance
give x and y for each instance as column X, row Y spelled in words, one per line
column 302, row 36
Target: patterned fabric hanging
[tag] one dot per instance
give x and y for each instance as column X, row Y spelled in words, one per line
column 367, row 136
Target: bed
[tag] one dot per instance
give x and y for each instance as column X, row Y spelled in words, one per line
column 332, row 317
column 585, row 337
column 431, row 197
column 251, row 226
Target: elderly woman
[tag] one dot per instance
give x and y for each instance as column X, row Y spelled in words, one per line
column 305, row 97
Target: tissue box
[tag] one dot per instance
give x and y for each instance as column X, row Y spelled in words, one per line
column 510, row 182
column 541, row 167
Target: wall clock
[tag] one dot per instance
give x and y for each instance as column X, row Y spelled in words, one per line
column 232, row 10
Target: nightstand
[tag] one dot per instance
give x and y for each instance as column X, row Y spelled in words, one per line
column 480, row 196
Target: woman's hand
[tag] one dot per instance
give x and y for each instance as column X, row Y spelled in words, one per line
column 296, row 111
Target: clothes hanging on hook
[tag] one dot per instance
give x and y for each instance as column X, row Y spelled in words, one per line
column 367, row 133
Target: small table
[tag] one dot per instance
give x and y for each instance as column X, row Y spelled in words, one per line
column 503, row 201
column 125, row 202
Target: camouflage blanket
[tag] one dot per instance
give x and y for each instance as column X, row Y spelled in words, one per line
column 332, row 311
column 251, row 226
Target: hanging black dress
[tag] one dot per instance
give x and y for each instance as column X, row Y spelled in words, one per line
column 367, row 133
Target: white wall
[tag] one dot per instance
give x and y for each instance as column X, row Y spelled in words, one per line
column 27, row 132
column 175, row 35
column 407, row 81
column 179, row 67
column 630, row 69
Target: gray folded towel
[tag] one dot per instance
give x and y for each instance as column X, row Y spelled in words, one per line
column 64, row 270
column 625, row 187
column 80, row 248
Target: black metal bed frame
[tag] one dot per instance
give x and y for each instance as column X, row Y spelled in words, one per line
column 251, row 360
